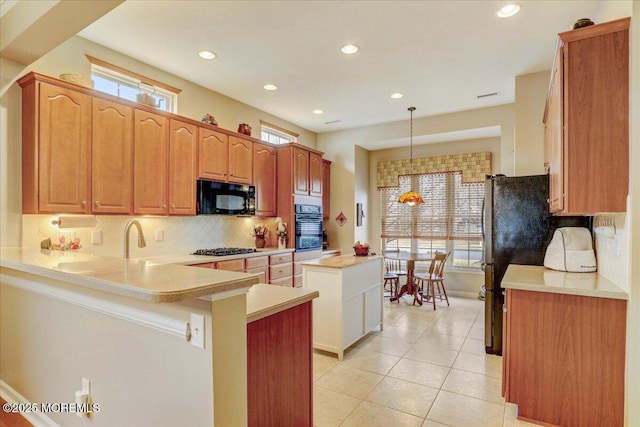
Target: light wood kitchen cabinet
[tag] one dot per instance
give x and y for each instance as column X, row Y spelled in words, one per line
column 111, row 157
column 260, row 266
column 281, row 269
column 183, row 141
column 326, row 189
column 56, row 147
column 298, row 259
column 240, row 160
column 315, row 174
column 564, row 359
column 587, row 120
column 264, row 179
column 150, row 163
column 213, row 155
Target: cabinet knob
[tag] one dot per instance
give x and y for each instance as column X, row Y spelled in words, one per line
column 164, row 207
column 173, row 206
column 97, row 203
column 84, row 203
column 548, row 201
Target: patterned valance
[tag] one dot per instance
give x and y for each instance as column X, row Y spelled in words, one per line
column 474, row 167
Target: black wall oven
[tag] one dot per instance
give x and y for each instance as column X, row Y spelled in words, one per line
column 308, row 223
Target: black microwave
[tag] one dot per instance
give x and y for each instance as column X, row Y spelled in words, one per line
column 223, row 198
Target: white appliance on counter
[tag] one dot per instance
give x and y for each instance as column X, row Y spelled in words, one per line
column 571, row 249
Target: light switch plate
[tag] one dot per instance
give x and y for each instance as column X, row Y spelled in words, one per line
column 159, row 235
column 96, row 237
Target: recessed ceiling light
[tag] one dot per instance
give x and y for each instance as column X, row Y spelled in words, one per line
column 318, row 111
column 270, row 87
column 205, row 54
column 397, row 95
column 349, row 49
column 509, row 10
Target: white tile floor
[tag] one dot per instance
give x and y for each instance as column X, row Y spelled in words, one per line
column 425, row 368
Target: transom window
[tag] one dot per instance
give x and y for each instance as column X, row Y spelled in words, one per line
column 125, row 84
column 275, row 134
column 449, row 220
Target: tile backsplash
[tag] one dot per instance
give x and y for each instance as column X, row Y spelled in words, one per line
column 180, row 235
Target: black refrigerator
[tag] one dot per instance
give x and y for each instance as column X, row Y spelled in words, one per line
column 517, row 229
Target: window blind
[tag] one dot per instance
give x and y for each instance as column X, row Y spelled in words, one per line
column 452, row 209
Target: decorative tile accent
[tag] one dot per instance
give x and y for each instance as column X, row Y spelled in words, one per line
column 474, row 167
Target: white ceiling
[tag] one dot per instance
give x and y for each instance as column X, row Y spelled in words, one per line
column 440, row 54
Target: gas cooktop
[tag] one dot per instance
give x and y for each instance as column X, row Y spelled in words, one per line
column 224, row 251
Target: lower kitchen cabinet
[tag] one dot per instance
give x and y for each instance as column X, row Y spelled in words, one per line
column 279, row 366
column 564, row 358
column 281, row 269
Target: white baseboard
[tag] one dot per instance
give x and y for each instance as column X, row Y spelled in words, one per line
column 38, row 419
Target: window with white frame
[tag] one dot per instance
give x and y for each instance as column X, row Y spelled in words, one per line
column 123, row 85
column 450, row 219
column 275, row 134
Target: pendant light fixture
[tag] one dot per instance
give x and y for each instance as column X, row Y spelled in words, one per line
column 411, row 197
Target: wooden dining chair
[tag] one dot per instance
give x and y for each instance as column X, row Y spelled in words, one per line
column 395, row 266
column 393, row 280
column 431, row 284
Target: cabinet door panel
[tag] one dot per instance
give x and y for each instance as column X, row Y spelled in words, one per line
column 111, row 154
column 300, row 171
column 264, row 179
column 240, row 160
column 182, row 168
column 555, row 139
column 151, row 152
column 64, row 147
column 213, row 155
column 315, row 174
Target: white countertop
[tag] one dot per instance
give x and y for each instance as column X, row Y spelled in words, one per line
column 341, row 261
column 136, row 278
column 266, row 300
column 541, row 279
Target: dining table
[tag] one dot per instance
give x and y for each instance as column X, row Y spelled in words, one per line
column 410, row 258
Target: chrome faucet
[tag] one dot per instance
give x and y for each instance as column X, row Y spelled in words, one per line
column 141, row 242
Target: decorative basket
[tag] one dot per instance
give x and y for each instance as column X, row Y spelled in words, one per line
column 361, row 250
column 78, row 79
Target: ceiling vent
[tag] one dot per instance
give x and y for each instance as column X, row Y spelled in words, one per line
column 486, row 95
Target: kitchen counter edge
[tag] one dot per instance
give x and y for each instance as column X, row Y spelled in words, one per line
column 137, row 279
column 341, row 261
column 266, row 300
column 541, row 279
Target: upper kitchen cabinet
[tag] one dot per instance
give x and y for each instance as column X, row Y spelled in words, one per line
column 111, row 157
column 240, row 160
column 264, row 179
column 326, row 189
column 56, row 147
column 213, row 155
column 302, row 167
column 587, row 120
column 150, row 163
column 183, row 144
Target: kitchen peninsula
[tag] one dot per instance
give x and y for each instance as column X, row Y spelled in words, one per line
column 130, row 327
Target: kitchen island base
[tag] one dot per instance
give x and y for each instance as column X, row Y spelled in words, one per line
column 350, row 301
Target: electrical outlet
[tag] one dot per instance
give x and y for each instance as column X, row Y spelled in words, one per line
column 159, row 235
column 96, row 237
column 197, row 330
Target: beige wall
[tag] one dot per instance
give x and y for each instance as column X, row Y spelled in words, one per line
column 531, row 94
column 363, row 195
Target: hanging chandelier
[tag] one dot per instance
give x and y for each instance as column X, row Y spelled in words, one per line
column 411, row 197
